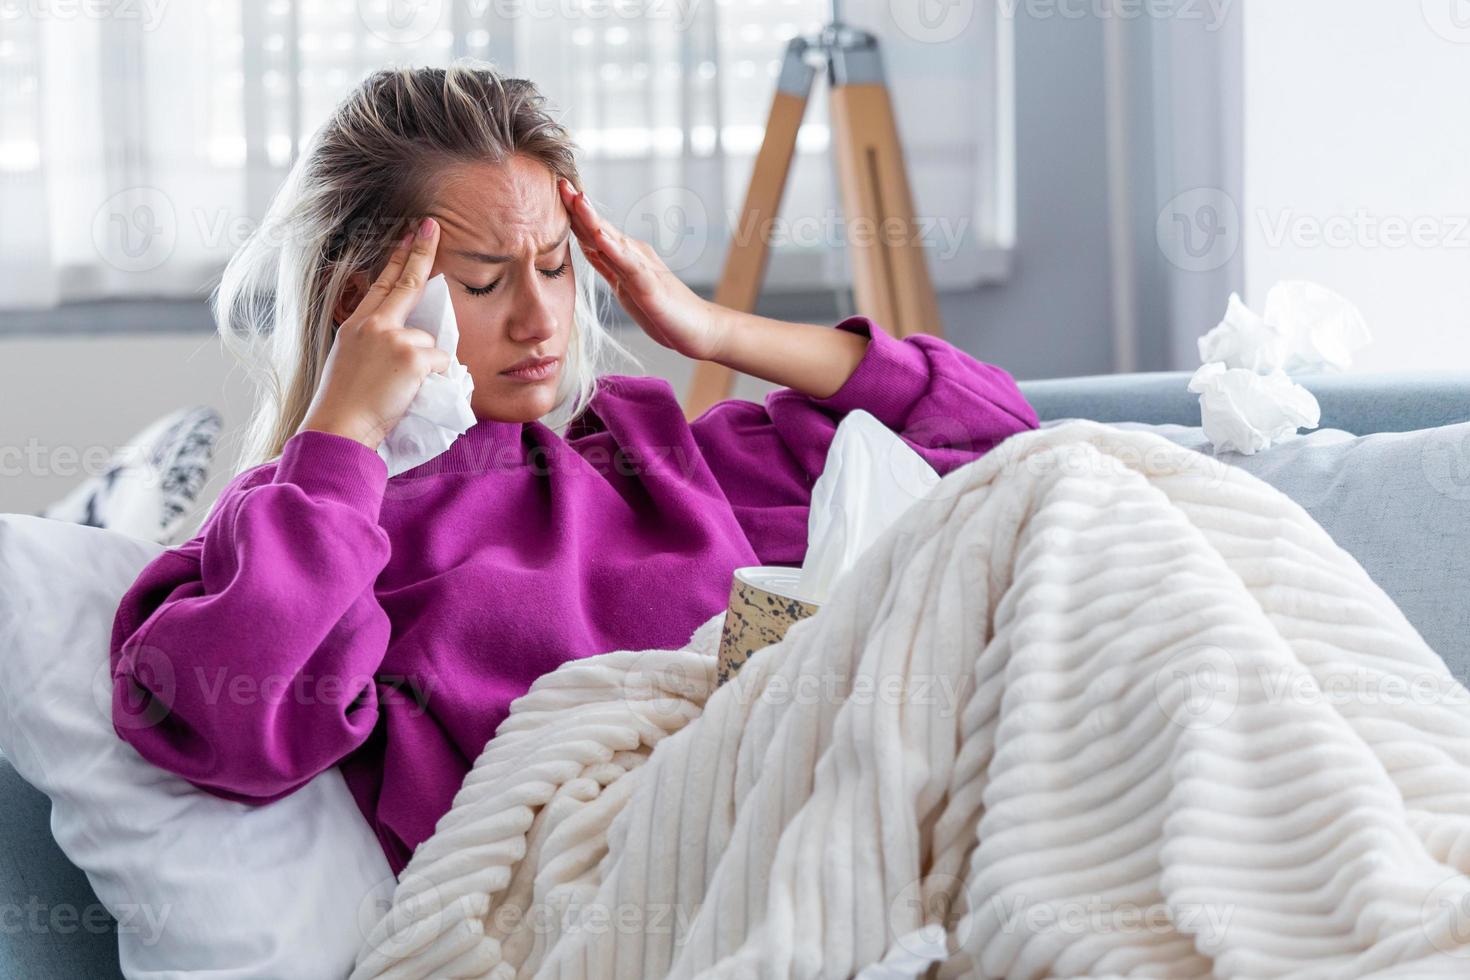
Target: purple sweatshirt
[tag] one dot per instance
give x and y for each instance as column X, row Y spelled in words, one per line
column 328, row 615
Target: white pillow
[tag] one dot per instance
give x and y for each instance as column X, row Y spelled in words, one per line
column 198, row 883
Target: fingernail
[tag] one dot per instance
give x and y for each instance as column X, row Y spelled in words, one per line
column 426, row 228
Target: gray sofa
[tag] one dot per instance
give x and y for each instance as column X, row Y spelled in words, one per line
column 47, row 898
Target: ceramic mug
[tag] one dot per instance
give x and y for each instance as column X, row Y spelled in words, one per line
column 764, row 601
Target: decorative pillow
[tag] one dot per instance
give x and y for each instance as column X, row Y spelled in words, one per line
column 1398, row 502
column 151, row 483
column 199, row 884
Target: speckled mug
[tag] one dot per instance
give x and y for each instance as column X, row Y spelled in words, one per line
column 764, row 601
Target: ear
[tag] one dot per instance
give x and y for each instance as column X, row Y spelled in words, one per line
column 352, row 293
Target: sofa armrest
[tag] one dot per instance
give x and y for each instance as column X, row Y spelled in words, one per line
column 56, row 929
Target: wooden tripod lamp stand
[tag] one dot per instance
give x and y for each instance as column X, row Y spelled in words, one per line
column 891, row 281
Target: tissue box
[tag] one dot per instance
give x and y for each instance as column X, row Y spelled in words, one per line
column 764, row 601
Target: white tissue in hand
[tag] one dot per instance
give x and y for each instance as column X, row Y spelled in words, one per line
column 1306, row 327
column 440, row 411
column 1322, row 329
column 1246, row 412
column 871, row 476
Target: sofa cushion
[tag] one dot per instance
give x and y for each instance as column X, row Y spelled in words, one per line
column 1398, row 502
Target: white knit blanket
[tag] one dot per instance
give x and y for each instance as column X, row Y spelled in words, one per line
column 1098, row 706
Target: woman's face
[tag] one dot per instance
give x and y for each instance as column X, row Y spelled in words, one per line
column 505, row 251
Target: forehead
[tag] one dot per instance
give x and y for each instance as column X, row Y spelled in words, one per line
column 500, row 204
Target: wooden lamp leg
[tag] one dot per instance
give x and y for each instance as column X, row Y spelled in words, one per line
column 890, row 274
column 745, row 263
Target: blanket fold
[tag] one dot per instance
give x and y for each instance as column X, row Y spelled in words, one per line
column 1097, row 706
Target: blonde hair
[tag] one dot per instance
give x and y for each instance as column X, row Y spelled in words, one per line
column 362, row 180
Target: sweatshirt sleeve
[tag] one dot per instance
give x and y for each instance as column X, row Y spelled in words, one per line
column 950, row 407
column 243, row 660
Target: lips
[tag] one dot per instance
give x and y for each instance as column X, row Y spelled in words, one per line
column 530, row 362
column 538, row 369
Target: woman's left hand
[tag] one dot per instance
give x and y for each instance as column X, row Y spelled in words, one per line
column 667, row 310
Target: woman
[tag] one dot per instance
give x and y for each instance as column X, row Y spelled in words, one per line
column 326, row 614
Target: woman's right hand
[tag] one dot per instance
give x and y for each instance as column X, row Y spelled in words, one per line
column 376, row 363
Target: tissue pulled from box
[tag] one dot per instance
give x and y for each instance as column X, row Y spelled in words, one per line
column 1245, row 412
column 871, row 476
column 440, row 411
column 1305, row 327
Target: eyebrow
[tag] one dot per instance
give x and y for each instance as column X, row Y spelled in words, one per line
column 486, row 257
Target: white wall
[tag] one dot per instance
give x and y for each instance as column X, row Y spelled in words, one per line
column 71, row 401
column 1357, row 120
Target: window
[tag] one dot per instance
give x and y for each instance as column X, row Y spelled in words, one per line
column 138, row 153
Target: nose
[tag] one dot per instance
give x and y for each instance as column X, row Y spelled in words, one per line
column 532, row 319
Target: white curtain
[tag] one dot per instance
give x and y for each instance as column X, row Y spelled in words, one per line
column 138, row 149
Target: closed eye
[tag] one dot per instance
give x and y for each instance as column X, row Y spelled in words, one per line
column 485, row 290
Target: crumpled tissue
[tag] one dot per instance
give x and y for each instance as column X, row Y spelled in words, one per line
column 871, row 476
column 1306, row 327
column 1247, row 400
column 440, row 411
column 1245, row 412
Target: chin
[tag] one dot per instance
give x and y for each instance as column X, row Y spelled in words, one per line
column 514, row 401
